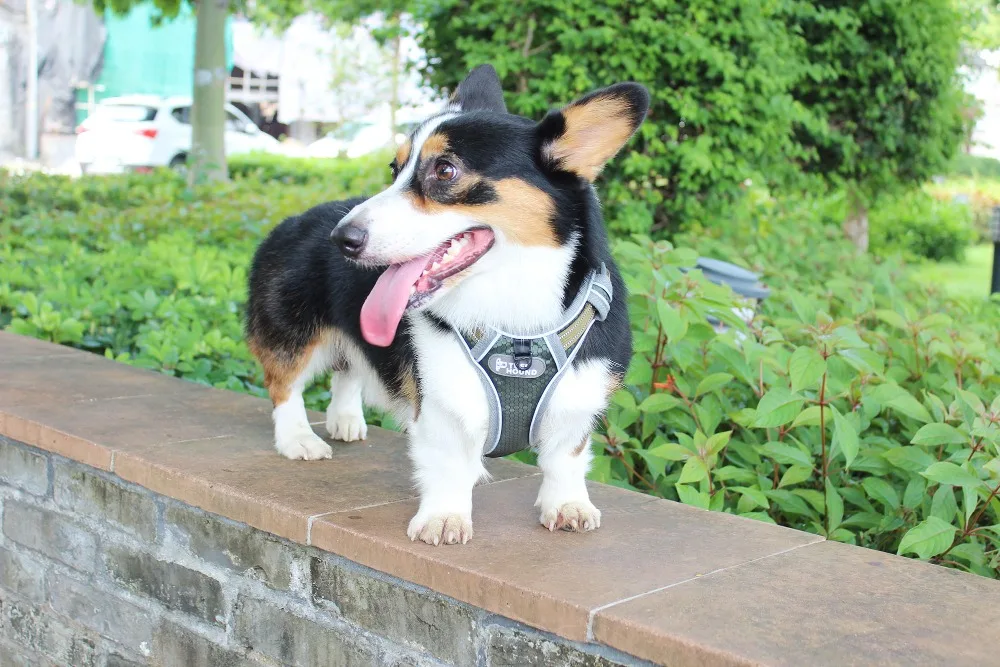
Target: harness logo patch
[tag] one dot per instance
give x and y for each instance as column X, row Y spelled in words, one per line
column 503, row 364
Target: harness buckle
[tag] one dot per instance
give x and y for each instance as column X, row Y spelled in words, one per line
column 522, row 354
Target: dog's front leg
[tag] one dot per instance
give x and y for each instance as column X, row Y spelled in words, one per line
column 564, row 452
column 446, row 466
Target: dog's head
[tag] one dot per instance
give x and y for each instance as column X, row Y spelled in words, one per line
column 473, row 180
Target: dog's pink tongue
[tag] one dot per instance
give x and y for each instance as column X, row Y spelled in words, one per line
column 384, row 307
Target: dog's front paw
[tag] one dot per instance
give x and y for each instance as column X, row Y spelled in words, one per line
column 577, row 516
column 440, row 529
column 346, row 426
column 303, row 445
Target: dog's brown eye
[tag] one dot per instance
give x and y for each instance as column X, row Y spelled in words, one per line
column 445, row 171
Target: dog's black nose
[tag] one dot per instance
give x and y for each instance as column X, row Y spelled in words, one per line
column 351, row 239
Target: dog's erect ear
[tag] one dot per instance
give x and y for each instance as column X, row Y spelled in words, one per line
column 481, row 91
column 583, row 136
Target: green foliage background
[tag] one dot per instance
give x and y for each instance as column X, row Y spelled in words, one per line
column 860, row 94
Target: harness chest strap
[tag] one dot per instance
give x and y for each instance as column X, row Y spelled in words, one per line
column 520, row 373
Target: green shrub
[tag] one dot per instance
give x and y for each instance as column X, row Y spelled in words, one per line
column 719, row 72
column 856, row 405
column 363, row 175
column 918, row 225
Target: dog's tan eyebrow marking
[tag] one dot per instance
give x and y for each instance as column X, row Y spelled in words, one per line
column 521, row 211
column 403, row 153
column 436, row 144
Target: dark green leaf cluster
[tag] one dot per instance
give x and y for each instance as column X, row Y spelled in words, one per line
column 862, row 94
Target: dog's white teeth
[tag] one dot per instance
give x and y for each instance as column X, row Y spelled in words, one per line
column 413, row 290
column 464, row 240
column 435, row 266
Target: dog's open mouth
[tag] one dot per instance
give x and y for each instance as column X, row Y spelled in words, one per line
column 411, row 284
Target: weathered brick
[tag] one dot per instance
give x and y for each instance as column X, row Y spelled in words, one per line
column 291, row 639
column 22, row 576
column 174, row 585
column 23, row 468
column 82, row 491
column 235, row 546
column 55, row 536
column 510, row 647
column 29, row 626
column 432, row 623
column 115, row 660
column 175, row 646
column 106, row 614
column 15, row 655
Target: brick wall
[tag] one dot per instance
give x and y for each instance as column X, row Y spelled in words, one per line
column 98, row 572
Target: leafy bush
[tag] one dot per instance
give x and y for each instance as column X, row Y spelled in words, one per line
column 863, row 93
column 363, row 175
column 719, row 72
column 918, row 225
column 856, row 404
column 143, row 270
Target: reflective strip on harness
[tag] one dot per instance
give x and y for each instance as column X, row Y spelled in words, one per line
column 520, row 373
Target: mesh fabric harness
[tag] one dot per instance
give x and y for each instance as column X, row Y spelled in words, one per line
column 519, row 373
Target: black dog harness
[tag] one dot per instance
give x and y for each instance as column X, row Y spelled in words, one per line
column 519, row 373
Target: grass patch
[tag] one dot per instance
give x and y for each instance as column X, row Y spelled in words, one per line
column 970, row 277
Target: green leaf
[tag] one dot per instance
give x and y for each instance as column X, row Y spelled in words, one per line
column 795, row 475
column 623, row 398
column 810, row 416
column 712, row 382
column 786, row 454
column 943, row 505
column 939, row 434
column 834, row 507
column 715, row 443
column 944, row 472
column 892, row 318
column 756, row 495
column 671, row 451
column 915, row 491
column 690, row 496
column 928, row 538
column 674, row 325
column 912, row 459
column 805, row 368
column 778, row 407
column 908, row 405
column 659, row 403
column 845, row 435
column 694, row 471
column 656, row 465
column 882, row 491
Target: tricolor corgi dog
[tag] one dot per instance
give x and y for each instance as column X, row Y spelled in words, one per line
column 475, row 299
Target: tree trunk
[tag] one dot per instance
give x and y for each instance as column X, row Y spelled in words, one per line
column 856, row 225
column 207, row 160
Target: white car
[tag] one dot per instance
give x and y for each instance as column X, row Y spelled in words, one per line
column 354, row 139
column 139, row 132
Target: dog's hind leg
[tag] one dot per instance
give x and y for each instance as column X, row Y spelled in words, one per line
column 345, row 418
column 286, row 377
